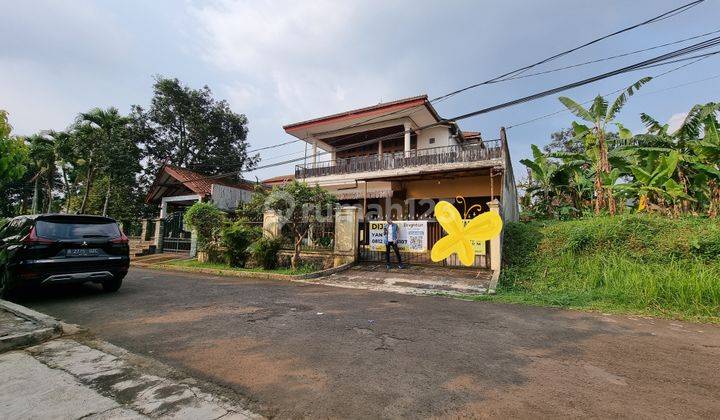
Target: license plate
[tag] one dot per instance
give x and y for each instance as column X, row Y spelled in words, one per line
column 82, row 252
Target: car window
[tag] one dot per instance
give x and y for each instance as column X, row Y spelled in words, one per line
column 59, row 230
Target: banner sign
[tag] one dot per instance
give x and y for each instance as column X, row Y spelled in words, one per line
column 478, row 246
column 412, row 235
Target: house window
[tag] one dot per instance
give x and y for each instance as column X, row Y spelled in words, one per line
column 432, row 140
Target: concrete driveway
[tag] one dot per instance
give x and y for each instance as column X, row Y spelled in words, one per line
column 301, row 350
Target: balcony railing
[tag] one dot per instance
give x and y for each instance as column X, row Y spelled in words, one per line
column 486, row 150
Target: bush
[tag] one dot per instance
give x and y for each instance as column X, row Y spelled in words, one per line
column 236, row 238
column 207, row 221
column 265, row 252
column 520, row 242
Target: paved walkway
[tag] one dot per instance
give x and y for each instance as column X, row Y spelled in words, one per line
column 301, row 350
column 413, row 280
column 63, row 378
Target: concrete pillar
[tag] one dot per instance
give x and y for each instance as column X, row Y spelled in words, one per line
column 193, row 243
column 495, row 250
column 407, row 127
column 144, row 230
column 380, row 151
column 346, row 236
column 163, row 209
column 159, row 233
column 271, row 224
column 314, row 152
column 333, row 157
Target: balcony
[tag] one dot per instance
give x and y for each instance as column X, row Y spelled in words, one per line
column 487, row 150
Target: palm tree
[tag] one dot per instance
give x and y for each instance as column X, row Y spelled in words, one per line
column 595, row 138
column 67, row 161
column 108, row 125
column 42, row 154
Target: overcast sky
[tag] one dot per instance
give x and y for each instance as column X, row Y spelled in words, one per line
column 286, row 61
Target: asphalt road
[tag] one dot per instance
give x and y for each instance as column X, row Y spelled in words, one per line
column 297, row 350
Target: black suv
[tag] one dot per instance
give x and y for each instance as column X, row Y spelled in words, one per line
column 62, row 248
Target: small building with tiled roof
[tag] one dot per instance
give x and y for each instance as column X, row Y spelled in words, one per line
column 175, row 188
column 278, row 180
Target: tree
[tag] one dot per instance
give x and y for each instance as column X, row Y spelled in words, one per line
column 564, row 141
column 207, row 221
column 189, row 128
column 106, row 145
column 42, row 155
column 543, row 172
column 13, row 153
column 300, row 208
column 253, row 210
column 695, row 151
column 595, row 138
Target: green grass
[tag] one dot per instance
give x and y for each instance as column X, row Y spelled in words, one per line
column 631, row 264
column 303, row 269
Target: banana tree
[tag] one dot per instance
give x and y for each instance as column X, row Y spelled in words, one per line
column 697, row 171
column 707, row 150
column 600, row 115
column 544, row 172
column 653, row 184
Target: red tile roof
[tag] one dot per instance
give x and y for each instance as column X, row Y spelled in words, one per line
column 361, row 112
column 200, row 184
column 281, row 179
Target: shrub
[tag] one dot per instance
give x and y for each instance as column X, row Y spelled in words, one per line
column 265, row 251
column 236, row 238
column 520, row 242
column 207, row 220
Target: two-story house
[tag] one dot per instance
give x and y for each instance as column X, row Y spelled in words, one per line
column 378, row 159
column 398, row 158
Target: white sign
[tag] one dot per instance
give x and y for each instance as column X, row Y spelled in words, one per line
column 412, row 235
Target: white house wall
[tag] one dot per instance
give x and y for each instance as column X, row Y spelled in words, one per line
column 440, row 134
column 227, row 198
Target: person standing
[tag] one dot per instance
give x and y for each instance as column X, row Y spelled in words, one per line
column 391, row 233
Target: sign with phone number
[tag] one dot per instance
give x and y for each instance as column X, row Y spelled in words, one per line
column 412, row 235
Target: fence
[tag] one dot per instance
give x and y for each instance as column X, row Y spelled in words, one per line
column 434, row 233
column 418, row 157
column 320, row 237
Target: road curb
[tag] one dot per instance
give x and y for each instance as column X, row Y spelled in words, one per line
column 248, row 274
column 49, row 327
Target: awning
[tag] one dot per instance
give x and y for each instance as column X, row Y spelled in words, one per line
column 358, row 195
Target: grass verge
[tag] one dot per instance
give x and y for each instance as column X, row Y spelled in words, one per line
column 629, row 264
column 303, row 269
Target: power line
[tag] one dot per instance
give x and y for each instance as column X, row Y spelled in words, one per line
column 520, row 70
column 658, row 18
column 658, row 60
column 514, row 78
column 611, row 57
column 274, row 146
column 637, row 66
column 560, row 111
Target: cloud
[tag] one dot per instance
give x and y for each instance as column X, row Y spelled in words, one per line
column 305, row 58
column 676, row 121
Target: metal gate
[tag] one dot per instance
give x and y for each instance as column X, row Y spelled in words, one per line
column 434, row 233
column 175, row 237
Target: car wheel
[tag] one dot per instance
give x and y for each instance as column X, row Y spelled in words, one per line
column 112, row 285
